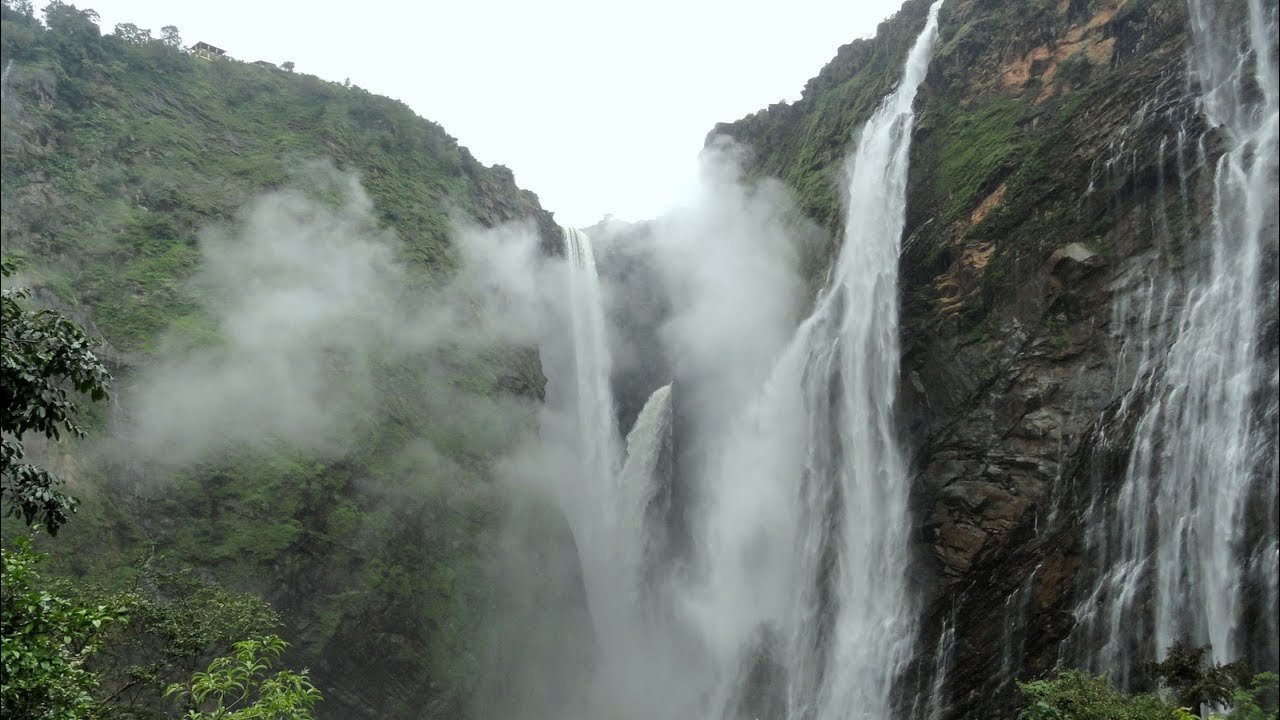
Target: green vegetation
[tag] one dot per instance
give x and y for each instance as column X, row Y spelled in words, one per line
column 42, row 353
column 47, row 638
column 976, row 149
column 176, row 621
column 68, row 655
column 241, row 687
column 1194, row 679
column 72, row 652
column 119, row 152
column 1075, row 695
column 1256, row 701
column 138, row 147
column 805, row 143
column 1186, row 680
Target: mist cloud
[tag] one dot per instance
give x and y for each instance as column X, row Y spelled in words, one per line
column 307, row 294
column 730, row 262
column 712, row 294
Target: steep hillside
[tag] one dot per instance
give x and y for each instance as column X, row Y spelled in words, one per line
column 1053, row 174
column 125, row 159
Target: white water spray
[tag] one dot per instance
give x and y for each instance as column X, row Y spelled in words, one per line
column 805, row 536
column 587, row 431
column 645, row 475
column 792, row 599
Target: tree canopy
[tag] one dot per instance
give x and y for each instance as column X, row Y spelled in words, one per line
column 45, row 359
column 47, row 638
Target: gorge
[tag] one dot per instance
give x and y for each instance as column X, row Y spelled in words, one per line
column 959, row 372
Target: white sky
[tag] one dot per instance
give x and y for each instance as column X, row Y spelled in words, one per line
column 597, row 106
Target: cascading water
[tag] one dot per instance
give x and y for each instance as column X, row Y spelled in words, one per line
column 586, row 430
column 1189, row 545
column 646, row 473
column 792, row 601
column 608, row 503
column 803, row 547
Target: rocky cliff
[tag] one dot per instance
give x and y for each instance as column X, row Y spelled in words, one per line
column 1051, row 175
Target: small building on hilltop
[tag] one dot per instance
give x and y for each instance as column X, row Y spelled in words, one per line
column 208, row 52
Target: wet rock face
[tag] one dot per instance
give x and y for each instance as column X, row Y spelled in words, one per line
column 1008, row 322
column 1041, row 156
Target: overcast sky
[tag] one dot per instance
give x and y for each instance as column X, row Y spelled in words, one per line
column 599, row 107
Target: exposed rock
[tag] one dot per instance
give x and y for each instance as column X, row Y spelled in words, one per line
column 1072, row 262
column 1036, row 166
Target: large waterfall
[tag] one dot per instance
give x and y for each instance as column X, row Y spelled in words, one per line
column 808, row 509
column 600, row 509
column 791, row 601
column 1187, row 547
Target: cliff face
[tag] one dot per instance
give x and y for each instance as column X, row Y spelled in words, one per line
column 118, row 155
column 1048, row 177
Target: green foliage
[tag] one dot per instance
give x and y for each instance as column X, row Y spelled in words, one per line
column 177, row 622
column 1258, row 701
column 975, row 148
column 170, row 36
column 69, row 652
column 135, row 147
column 20, row 8
column 241, row 686
column 42, row 354
column 131, row 33
column 1194, row 678
column 1076, row 695
column 120, row 150
column 805, row 143
column 47, row 638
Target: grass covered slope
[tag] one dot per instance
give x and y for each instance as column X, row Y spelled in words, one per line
column 117, row 152
column 126, row 162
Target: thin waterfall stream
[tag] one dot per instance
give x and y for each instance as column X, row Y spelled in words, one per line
column 1190, row 536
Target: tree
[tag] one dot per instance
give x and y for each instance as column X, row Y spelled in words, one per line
column 170, row 37
column 132, row 34
column 21, row 7
column 1259, row 701
column 1196, row 681
column 288, row 65
column 240, row 686
column 47, row 638
column 41, row 354
column 63, row 19
column 1076, row 695
column 177, row 623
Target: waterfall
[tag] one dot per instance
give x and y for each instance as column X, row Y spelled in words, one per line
column 608, row 500
column 645, row 478
column 597, row 440
column 943, row 660
column 586, row 431
column 792, row 599
column 648, row 444
column 804, row 544
column 1188, row 545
